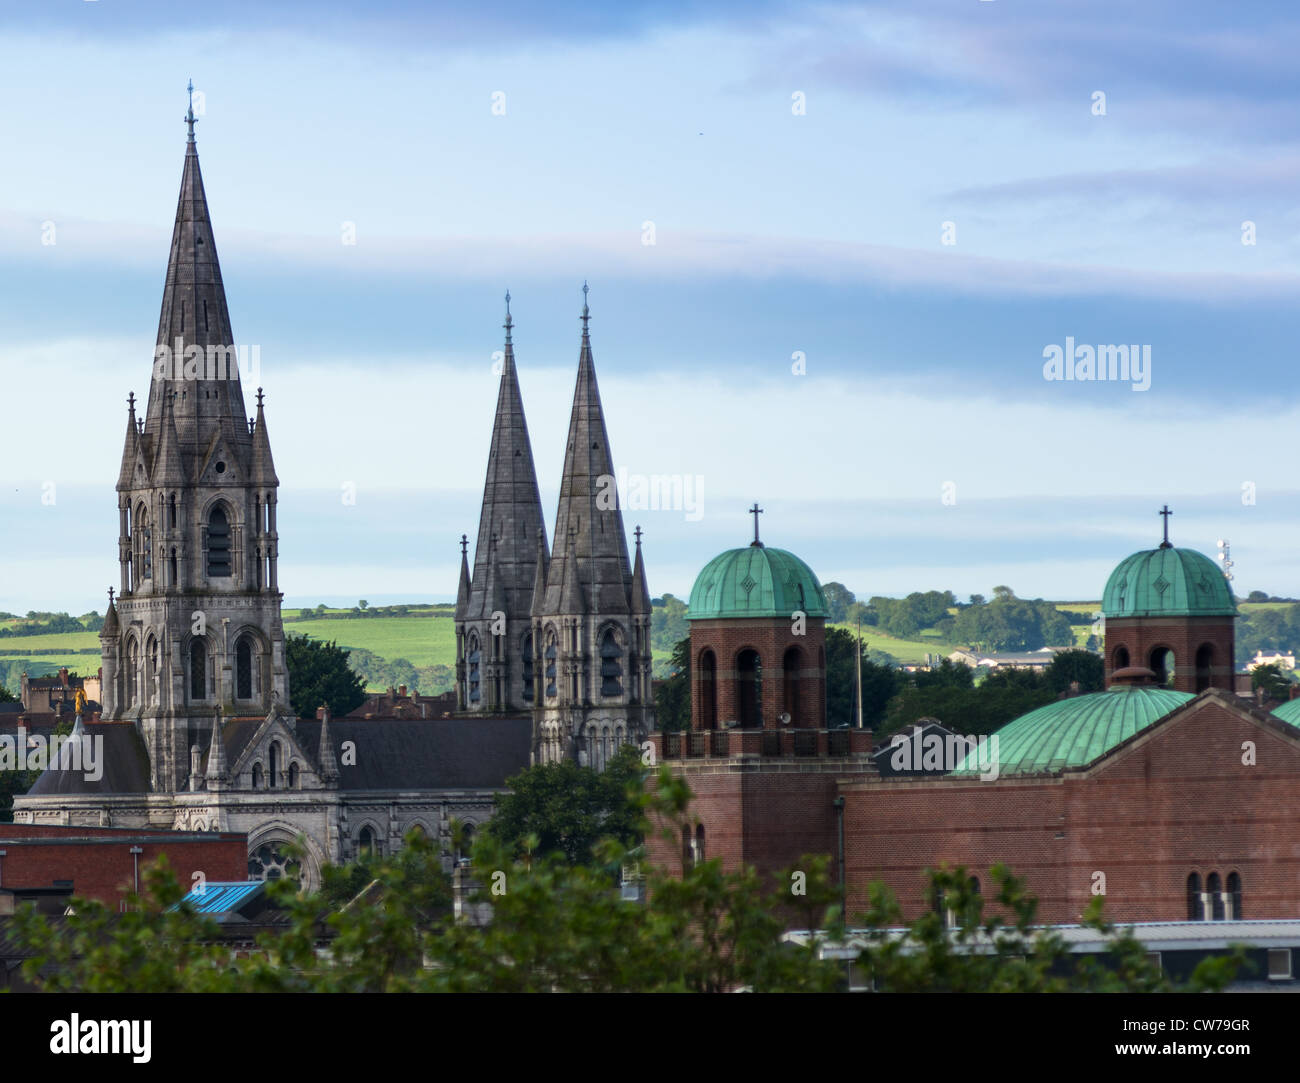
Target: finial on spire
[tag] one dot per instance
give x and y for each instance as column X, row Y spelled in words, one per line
column 189, row 116
column 638, row 532
column 259, row 398
column 464, row 545
column 130, row 402
column 509, row 322
column 110, row 595
column 586, row 313
column 756, row 511
column 1166, row 513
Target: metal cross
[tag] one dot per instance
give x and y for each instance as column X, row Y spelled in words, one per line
column 1166, row 513
column 756, row 511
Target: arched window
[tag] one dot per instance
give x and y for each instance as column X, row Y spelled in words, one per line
column 708, row 691
column 273, row 772
column 474, row 659
column 974, row 884
column 258, row 780
column 1121, row 658
column 791, row 664
column 1204, row 666
column 366, row 841
column 527, row 651
column 687, row 848
column 699, row 843
column 244, row 668
column 293, row 776
column 1162, row 664
column 611, row 664
column 171, row 512
column 151, row 671
column 550, row 659
column 749, row 689
column 175, row 582
column 271, row 861
column 144, row 542
column 218, row 544
column 1195, row 903
column 132, row 673
column 1234, row 897
column 1214, row 889
column 198, row 670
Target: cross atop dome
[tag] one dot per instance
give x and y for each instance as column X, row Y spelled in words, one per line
column 1166, row 513
column 756, row 511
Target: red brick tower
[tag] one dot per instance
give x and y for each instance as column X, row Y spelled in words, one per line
column 1171, row 611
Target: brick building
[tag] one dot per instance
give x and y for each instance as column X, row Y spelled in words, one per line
column 1167, row 792
column 106, row 863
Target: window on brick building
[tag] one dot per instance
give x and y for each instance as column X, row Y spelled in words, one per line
column 1214, row 889
column 1204, row 666
column 708, row 691
column 1121, row 658
column 749, row 689
column 1234, row 896
column 1195, row 903
column 791, row 665
column 1161, row 663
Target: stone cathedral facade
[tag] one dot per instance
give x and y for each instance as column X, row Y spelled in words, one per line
column 564, row 636
column 196, row 728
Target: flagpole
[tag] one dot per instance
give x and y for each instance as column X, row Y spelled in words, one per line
column 858, row 671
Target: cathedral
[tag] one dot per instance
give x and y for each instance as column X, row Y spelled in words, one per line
column 563, row 637
column 196, row 727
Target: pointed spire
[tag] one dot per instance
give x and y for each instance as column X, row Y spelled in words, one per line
column 496, row 593
column 588, row 522
column 512, row 504
column 263, row 465
column 539, row 577
column 168, row 468
column 196, row 321
column 111, row 624
column 126, row 478
column 329, row 764
column 217, row 772
column 640, row 592
column 462, row 594
column 189, row 116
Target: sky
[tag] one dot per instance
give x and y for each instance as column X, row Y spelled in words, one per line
column 831, row 249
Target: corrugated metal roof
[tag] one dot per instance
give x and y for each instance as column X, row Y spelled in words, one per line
column 221, row 898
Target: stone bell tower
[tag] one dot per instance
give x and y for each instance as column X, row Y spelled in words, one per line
column 195, row 633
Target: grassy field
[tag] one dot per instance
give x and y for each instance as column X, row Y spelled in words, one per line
column 421, row 640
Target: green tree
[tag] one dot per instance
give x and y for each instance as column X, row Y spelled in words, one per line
column 319, row 674
column 1070, row 666
column 1274, row 682
column 667, row 622
column 880, row 681
column 838, row 600
column 563, row 808
column 673, row 692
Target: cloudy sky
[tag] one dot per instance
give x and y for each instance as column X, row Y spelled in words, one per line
column 911, row 203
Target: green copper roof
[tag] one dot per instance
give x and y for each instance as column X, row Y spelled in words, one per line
column 1167, row 583
column 1074, row 732
column 756, row 581
column 1289, row 712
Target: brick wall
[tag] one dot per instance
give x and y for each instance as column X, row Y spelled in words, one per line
column 99, row 861
column 1184, row 636
column 771, row 638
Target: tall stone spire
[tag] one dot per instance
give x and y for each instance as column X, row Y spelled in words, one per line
column 511, row 529
column 195, row 351
column 589, row 523
column 592, row 625
column 199, row 629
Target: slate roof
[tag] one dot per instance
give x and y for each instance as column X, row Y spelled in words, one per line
column 125, row 765
column 416, row 753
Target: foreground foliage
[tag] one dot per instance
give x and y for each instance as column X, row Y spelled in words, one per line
column 557, row 925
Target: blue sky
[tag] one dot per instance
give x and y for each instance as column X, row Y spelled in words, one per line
column 922, row 448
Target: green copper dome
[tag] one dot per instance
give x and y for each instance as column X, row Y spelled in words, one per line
column 755, row 582
column 1167, row 582
column 1074, row 732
